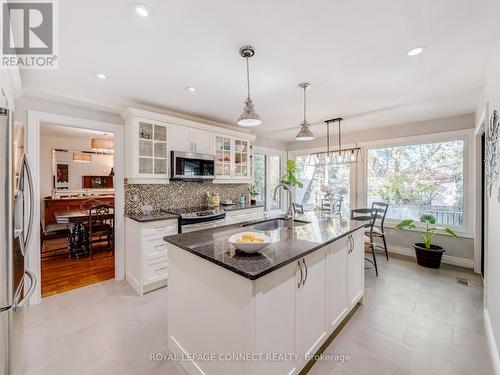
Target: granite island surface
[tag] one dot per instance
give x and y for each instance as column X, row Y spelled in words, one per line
column 267, row 313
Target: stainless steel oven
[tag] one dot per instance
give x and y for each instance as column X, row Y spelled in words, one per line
column 192, row 166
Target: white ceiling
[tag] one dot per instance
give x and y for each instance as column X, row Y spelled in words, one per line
column 57, row 130
column 353, row 52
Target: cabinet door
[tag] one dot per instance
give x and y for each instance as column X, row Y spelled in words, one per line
column 160, row 153
column 202, row 141
column 152, row 149
column 275, row 320
column 181, row 139
column 311, row 305
column 337, row 282
column 223, row 157
column 242, row 158
column 356, row 272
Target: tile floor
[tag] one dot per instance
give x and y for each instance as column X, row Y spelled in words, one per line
column 414, row 321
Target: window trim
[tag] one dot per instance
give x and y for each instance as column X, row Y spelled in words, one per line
column 466, row 135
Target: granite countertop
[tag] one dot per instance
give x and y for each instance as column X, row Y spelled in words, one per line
column 287, row 245
column 238, row 206
column 153, row 216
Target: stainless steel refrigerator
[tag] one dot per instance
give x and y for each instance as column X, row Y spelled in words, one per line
column 17, row 284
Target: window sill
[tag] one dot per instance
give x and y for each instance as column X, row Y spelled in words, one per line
column 460, row 232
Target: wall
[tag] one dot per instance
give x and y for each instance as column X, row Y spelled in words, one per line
column 491, row 97
column 178, row 194
column 100, row 165
column 402, row 241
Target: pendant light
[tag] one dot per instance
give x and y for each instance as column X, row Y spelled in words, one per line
column 82, row 157
column 103, row 145
column 339, row 156
column 249, row 117
column 305, row 133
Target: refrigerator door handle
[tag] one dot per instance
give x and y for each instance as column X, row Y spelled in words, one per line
column 25, row 242
column 21, row 303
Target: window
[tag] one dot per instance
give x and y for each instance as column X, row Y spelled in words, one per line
column 419, row 179
column 324, row 185
column 259, row 176
column 274, row 180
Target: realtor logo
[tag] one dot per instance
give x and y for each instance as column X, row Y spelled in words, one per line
column 29, row 35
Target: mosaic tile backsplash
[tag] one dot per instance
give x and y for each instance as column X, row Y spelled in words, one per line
column 178, row 194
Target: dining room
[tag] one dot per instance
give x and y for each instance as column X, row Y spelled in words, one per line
column 77, row 244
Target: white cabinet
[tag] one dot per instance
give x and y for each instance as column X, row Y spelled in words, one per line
column 241, row 216
column 337, row 283
column 356, row 270
column 312, row 304
column 146, row 253
column 189, row 139
column 146, row 150
column 233, row 159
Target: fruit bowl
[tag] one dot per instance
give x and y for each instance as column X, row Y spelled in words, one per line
column 249, row 242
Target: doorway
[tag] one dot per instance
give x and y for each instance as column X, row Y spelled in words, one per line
column 77, row 199
column 33, row 149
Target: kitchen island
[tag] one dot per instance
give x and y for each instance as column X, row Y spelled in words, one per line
column 267, row 313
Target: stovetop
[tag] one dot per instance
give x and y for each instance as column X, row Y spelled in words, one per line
column 196, row 212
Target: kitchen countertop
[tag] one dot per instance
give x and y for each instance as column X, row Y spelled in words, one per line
column 287, row 245
column 173, row 214
column 153, row 216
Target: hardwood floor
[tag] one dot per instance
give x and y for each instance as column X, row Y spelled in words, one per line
column 60, row 274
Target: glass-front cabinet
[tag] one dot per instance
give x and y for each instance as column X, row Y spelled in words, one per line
column 233, row 158
column 146, row 155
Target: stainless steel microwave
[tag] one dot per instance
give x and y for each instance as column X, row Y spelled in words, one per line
column 192, row 166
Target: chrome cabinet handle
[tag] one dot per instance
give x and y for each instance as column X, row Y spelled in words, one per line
column 305, row 266
column 30, row 292
column 301, row 274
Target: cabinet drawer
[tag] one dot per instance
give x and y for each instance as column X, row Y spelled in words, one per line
column 153, row 248
column 160, row 229
column 155, row 270
column 244, row 212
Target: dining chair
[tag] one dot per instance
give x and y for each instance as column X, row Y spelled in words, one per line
column 47, row 235
column 378, row 228
column 298, row 208
column 369, row 215
column 100, row 227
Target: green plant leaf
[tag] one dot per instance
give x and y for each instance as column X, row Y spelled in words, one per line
column 406, row 224
column 450, row 232
column 428, row 219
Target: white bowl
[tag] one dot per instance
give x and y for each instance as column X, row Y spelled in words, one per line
column 249, row 247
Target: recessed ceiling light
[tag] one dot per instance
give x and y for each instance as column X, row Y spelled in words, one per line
column 141, row 10
column 416, row 51
column 101, row 76
column 191, row 89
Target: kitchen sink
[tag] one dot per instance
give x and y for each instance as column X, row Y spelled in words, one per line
column 274, row 224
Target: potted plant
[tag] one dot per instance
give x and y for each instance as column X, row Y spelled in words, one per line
column 254, row 193
column 289, row 178
column 428, row 255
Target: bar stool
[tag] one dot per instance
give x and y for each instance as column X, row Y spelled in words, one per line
column 369, row 215
column 378, row 230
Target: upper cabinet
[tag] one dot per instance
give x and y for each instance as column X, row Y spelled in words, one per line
column 151, row 136
column 146, row 153
column 233, row 159
column 188, row 139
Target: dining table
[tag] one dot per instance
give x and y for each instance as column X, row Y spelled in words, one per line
column 78, row 236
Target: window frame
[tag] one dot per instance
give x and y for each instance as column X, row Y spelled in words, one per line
column 465, row 135
column 268, row 152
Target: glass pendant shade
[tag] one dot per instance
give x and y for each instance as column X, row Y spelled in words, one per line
column 249, row 117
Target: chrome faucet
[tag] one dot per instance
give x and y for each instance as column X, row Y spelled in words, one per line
column 290, row 216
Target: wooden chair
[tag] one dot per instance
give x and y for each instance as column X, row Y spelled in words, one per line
column 369, row 215
column 100, row 227
column 378, row 229
column 52, row 235
column 298, row 208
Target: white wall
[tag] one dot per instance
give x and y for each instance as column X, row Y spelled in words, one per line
column 99, row 166
column 491, row 97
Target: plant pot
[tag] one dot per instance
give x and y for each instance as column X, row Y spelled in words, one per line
column 430, row 258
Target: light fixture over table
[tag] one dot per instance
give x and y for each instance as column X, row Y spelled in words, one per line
column 103, row 145
column 305, row 133
column 81, row 157
column 339, row 156
column 249, row 117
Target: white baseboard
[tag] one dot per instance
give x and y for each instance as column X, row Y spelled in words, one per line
column 491, row 342
column 448, row 259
